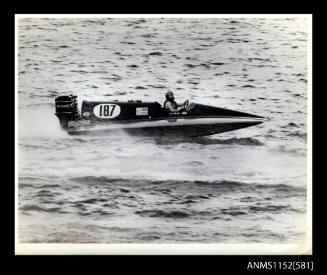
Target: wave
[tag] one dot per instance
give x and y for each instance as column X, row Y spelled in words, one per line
column 179, row 213
column 221, row 184
column 298, row 134
column 213, row 213
column 290, row 125
column 235, row 141
column 33, row 207
column 206, row 141
column 210, row 141
column 164, row 213
column 287, row 150
column 101, row 179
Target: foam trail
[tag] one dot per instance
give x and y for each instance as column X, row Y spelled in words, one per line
column 39, row 122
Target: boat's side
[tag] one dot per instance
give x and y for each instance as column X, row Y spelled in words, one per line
column 173, row 126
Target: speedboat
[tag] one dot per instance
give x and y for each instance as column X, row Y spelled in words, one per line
column 149, row 118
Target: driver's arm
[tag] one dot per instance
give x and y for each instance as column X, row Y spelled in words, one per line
column 170, row 107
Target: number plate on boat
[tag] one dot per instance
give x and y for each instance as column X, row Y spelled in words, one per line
column 106, row 110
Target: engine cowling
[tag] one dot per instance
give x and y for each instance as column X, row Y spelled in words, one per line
column 66, row 109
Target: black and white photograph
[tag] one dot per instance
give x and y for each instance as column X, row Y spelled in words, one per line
column 163, row 134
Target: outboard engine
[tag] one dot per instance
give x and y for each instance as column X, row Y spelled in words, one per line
column 66, row 109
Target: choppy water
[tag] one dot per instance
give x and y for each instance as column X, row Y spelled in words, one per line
column 244, row 186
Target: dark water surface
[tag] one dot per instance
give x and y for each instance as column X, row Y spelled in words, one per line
column 244, row 186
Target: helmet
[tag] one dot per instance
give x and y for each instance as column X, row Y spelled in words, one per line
column 170, row 95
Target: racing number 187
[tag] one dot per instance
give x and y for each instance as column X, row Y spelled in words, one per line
column 106, row 110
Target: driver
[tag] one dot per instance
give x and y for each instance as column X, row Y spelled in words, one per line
column 170, row 104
